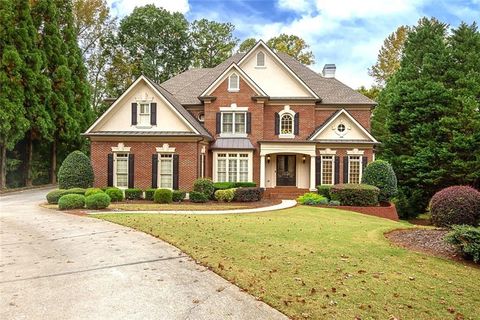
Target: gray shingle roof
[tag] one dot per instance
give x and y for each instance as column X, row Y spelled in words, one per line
column 232, row 143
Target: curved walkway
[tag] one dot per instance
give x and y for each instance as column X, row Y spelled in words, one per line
column 285, row 204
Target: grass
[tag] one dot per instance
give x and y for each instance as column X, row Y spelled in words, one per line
column 320, row 263
column 150, row 206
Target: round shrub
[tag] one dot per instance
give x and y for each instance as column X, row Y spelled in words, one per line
column 204, row 186
column 97, row 201
column 455, row 205
column 163, row 196
column 178, row 195
column 91, row 191
column 54, row 196
column 467, row 239
column 248, row 194
column 75, row 172
column 324, row 190
column 311, row 199
column 350, row 194
column 149, row 194
column 71, row 201
column 76, row 191
column 133, row 194
column 198, row 197
column 226, row 195
column 115, row 194
column 380, row 174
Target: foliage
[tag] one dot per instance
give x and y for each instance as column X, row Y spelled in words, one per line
column 198, row 197
column 223, row 185
column 54, row 196
column 133, row 194
column 467, row 239
column 324, row 190
column 312, row 199
column 115, row 194
column 247, row 44
column 97, row 201
column 163, row 196
column 91, row 191
column 371, row 93
column 76, row 191
column 355, row 194
column 71, row 201
column 205, row 186
column 334, row 203
column 248, row 194
column 380, row 174
column 226, row 195
column 76, row 171
column 244, row 184
column 455, row 205
column 149, row 193
column 178, row 195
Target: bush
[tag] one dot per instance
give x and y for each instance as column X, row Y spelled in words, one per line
column 324, row 190
column 205, row 186
column 334, row 203
column 115, row 194
column 163, row 196
column 467, row 239
column 355, row 194
column 225, row 195
column 198, row 197
column 381, row 175
column 149, row 194
column 71, row 201
column 178, row 196
column 54, row 196
column 312, row 199
column 133, row 194
column 244, row 185
column 455, row 205
column 99, row 200
column 248, row 194
column 91, row 191
column 75, row 172
column 76, row 191
column 223, row 185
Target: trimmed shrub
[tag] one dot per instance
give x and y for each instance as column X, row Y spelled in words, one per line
column 91, row 191
column 178, row 195
column 76, row 191
column 75, row 172
column 225, row 195
column 223, row 185
column 312, row 199
column 380, row 174
column 467, row 239
column 455, row 205
column 198, row 197
column 54, row 196
column 163, row 196
column 71, row 201
column 133, row 194
column 248, row 194
column 99, row 200
column 205, row 186
column 324, row 190
column 362, row 195
column 149, row 194
column 244, row 185
column 334, row 203
column 115, row 194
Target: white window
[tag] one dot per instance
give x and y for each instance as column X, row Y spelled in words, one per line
column 234, row 82
column 286, row 124
column 354, row 169
column 327, row 170
column 144, row 114
column 233, row 167
column 234, row 122
column 260, row 59
column 121, row 170
column 165, row 170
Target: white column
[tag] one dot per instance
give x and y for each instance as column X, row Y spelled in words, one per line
column 262, row 171
column 312, row 173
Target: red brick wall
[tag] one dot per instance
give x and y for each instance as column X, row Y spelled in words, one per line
column 306, row 120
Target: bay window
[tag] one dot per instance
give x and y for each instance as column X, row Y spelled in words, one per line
column 232, row 167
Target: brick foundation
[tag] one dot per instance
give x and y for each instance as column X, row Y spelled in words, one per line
column 387, row 212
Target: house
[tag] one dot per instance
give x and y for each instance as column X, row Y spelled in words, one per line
column 259, row 116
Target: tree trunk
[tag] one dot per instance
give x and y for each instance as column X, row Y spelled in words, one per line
column 3, row 167
column 53, row 162
column 28, row 159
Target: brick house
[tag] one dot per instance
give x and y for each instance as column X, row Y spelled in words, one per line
column 259, row 116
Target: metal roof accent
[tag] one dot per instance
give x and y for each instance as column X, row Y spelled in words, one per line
column 232, row 143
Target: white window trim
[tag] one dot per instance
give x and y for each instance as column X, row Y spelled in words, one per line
column 322, row 157
column 115, row 154
column 230, row 88
column 257, row 66
column 159, row 173
column 140, row 102
column 360, row 170
column 249, row 158
column 286, row 110
column 165, row 148
column 233, row 133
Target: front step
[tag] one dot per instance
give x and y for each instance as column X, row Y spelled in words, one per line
column 284, row 193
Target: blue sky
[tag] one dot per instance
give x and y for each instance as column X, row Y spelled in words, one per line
column 348, row 33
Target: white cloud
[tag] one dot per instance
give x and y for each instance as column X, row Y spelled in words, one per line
column 295, row 5
column 121, row 8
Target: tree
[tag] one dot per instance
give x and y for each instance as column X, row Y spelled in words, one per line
column 293, row 46
column 371, row 93
column 212, row 41
column 247, row 44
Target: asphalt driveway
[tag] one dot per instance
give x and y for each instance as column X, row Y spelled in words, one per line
column 59, row 266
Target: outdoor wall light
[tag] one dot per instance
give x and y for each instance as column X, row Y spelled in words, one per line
column 303, row 159
column 268, row 159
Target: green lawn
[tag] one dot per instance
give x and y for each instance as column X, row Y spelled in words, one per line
column 320, row 263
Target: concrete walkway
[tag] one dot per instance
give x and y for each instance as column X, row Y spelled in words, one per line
column 55, row 265
column 285, row 204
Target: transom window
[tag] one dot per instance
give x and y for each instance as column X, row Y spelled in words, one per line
column 165, row 169
column 232, row 167
column 260, row 59
column 327, row 169
column 286, row 124
column 144, row 114
column 121, row 170
column 354, row 169
column 234, row 82
column 234, row 122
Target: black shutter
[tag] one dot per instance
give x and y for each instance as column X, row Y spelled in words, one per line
column 154, row 170
column 277, row 124
column 296, row 124
column 337, row 170
column 219, row 122
column 364, row 162
column 175, row 172
column 318, row 171
column 345, row 169
column 131, row 171
column 153, row 114
column 134, row 114
column 110, row 170
column 249, row 122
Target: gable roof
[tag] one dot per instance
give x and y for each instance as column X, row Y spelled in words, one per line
column 332, row 118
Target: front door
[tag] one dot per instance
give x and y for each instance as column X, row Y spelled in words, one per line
column 286, row 170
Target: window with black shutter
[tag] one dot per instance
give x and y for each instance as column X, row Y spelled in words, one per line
column 296, row 124
column 110, row 170
column 155, row 171
column 337, row 169
column 345, row 169
column 131, row 171
column 249, row 122
column 153, row 114
column 277, row 123
column 175, row 171
column 134, row 114
column 218, row 123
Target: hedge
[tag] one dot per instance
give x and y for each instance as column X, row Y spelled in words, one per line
column 311, row 198
column 226, row 195
column 97, row 201
column 380, row 174
column 467, row 239
column 75, row 172
column 163, row 196
column 133, row 194
column 55, row 195
column 205, row 186
column 77, row 191
column 324, row 190
column 455, row 205
column 91, row 191
column 196, row 196
column 71, row 201
column 244, row 184
column 223, row 185
column 248, row 194
column 115, row 194
column 362, row 195
column 178, row 195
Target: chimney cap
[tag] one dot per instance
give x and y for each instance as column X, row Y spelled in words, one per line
column 329, row 70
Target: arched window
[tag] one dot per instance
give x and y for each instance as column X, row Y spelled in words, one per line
column 234, row 82
column 286, row 124
column 260, row 59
